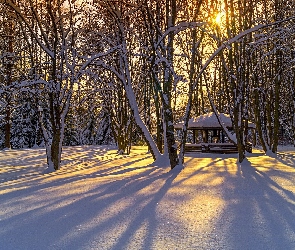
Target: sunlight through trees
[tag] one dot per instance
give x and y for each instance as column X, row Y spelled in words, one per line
column 96, row 72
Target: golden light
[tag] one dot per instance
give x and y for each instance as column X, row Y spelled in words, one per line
column 218, row 18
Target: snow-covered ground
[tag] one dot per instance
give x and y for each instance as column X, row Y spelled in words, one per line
column 101, row 200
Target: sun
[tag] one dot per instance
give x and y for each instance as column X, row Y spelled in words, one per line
column 218, row 18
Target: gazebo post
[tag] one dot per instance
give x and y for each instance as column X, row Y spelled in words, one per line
column 215, row 135
column 203, row 135
column 194, row 136
column 206, row 135
column 222, row 136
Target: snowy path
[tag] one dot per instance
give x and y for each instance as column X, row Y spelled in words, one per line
column 100, row 200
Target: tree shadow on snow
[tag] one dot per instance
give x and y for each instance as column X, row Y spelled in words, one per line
column 116, row 206
column 260, row 212
column 84, row 220
column 286, row 158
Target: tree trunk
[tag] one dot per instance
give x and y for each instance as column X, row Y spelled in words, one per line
column 171, row 144
column 190, row 97
column 277, row 102
column 9, row 68
column 167, row 86
column 7, row 127
column 56, row 149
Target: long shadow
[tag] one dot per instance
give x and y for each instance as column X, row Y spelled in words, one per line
column 286, row 158
column 29, row 174
column 260, row 212
column 30, row 183
column 147, row 215
column 200, row 170
column 77, row 213
column 141, row 210
column 61, row 217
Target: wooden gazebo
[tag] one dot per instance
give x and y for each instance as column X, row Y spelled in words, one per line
column 213, row 138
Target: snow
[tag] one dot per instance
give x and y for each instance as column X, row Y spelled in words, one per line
column 102, row 200
column 209, row 121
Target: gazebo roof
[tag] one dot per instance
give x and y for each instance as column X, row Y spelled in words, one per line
column 209, row 121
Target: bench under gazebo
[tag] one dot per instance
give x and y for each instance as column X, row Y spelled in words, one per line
column 208, row 135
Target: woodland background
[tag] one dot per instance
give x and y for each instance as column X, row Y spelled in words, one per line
column 124, row 72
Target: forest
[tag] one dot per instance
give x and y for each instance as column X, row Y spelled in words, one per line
column 93, row 72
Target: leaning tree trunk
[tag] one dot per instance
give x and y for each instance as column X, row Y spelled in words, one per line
column 125, row 76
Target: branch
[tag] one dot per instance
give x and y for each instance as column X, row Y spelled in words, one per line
column 180, row 27
column 18, row 11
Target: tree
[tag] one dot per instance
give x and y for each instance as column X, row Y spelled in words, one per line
column 8, row 60
column 119, row 63
column 55, row 26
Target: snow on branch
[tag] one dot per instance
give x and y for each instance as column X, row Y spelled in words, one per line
column 233, row 40
column 178, row 28
column 94, row 57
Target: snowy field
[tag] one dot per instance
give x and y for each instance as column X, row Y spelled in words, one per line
column 100, row 200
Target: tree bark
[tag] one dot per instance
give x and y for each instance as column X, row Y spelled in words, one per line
column 9, row 68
